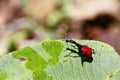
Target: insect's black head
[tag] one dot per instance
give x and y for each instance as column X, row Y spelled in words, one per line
column 69, row 40
column 73, row 42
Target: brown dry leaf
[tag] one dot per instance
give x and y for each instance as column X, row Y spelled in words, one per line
column 39, row 9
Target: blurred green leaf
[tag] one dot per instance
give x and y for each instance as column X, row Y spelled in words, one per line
column 46, row 61
column 55, row 17
column 24, row 2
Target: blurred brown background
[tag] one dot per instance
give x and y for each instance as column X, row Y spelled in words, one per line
column 24, row 22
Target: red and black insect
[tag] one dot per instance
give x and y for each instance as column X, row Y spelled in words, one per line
column 83, row 51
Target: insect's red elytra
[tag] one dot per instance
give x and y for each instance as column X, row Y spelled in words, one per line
column 86, row 50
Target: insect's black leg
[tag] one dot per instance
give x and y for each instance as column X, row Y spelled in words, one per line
column 89, row 59
column 71, row 51
column 82, row 60
column 93, row 51
column 67, row 55
column 71, row 56
column 86, row 59
column 74, row 46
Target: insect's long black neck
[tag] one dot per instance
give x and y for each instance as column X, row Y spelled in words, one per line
column 73, row 42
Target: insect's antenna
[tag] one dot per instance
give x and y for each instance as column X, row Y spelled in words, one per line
column 66, row 42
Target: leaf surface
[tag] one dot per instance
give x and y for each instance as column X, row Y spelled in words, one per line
column 47, row 61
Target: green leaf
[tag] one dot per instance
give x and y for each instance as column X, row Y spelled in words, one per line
column 46, row 61
column 2, row 76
